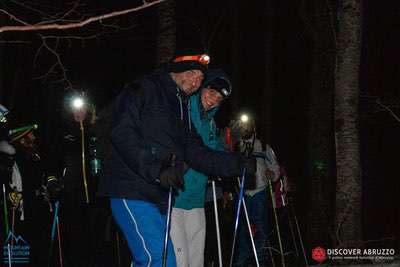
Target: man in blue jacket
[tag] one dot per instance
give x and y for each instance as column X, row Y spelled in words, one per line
column 188, row 222
column 152, row 139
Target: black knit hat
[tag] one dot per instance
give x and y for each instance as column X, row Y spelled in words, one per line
column 218, row 80
column 222, row 86
column 189, row 59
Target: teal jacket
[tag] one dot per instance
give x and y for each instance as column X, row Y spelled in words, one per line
column 195, row 182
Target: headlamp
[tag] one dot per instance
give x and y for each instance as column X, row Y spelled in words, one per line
column 203, row 59
column 78, row 102
column 244, row 118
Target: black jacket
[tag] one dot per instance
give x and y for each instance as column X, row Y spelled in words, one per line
column 150, row 122
column 64, row 160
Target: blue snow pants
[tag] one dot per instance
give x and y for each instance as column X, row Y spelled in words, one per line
column 144, row 228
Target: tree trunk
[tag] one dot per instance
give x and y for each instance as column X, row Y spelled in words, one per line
column 2, row 89
column 348, row 184
column 320, row 116
column 2, row 60
column 167, row 31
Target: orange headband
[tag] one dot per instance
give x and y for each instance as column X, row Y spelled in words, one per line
column 203, row 59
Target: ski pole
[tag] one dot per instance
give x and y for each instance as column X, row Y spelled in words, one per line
column 270, row 253
column 84, row 161
column 167, row 226
column 299, row 233
column 53, row 232
column 9, row 254
column 253, row 245
column 59, row 242
column 6, row 223
column 53, row 229
column 274, row 158
column 241, row 191
column 217, row 224
column 293, row 234
column 292, row 231
column 164, row 260
column 5, row 210
column 276, row 222
column 118, row 249
column 12, row 225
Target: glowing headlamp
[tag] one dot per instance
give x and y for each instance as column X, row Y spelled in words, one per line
column 244, row 118
column 203, row 59
column 78, row 102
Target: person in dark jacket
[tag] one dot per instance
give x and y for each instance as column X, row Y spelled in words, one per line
column 71, row 181
column 7, row 160
column 7, row 151
column 30, row 211
column 152, row 140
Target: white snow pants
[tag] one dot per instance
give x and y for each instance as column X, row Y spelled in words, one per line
column 188, row 232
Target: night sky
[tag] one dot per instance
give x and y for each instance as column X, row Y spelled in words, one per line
column 233, row 32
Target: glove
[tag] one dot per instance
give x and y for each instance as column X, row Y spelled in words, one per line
column 172, row 176
column 15, row 198
column 249, row 163
column 216, row 179
column 269, row 174
column 54, row 188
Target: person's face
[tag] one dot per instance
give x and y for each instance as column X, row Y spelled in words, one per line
column 210, row 98
column 246, row 130
column 80, row 114
column 191, row 81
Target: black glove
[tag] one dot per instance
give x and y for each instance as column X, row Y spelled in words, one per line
column 249, row 163
column 172, row 176
column 54, row 188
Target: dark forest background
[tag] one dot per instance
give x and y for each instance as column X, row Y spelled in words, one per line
column 280, row 56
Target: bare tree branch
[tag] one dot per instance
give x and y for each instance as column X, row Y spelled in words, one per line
column 57, row 26
column 14, row 18
column 24, row 5
column 70, row 18
column 82, row 38
column 58, row 63
column 62, row 16
column 15, row 42
column 114, row 26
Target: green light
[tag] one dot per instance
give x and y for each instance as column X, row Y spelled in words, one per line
column 319, row 165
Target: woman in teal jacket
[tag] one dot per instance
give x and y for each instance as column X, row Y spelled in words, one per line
column 188, row 224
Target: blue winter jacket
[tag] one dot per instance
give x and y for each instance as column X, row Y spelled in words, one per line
column 150, row 122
